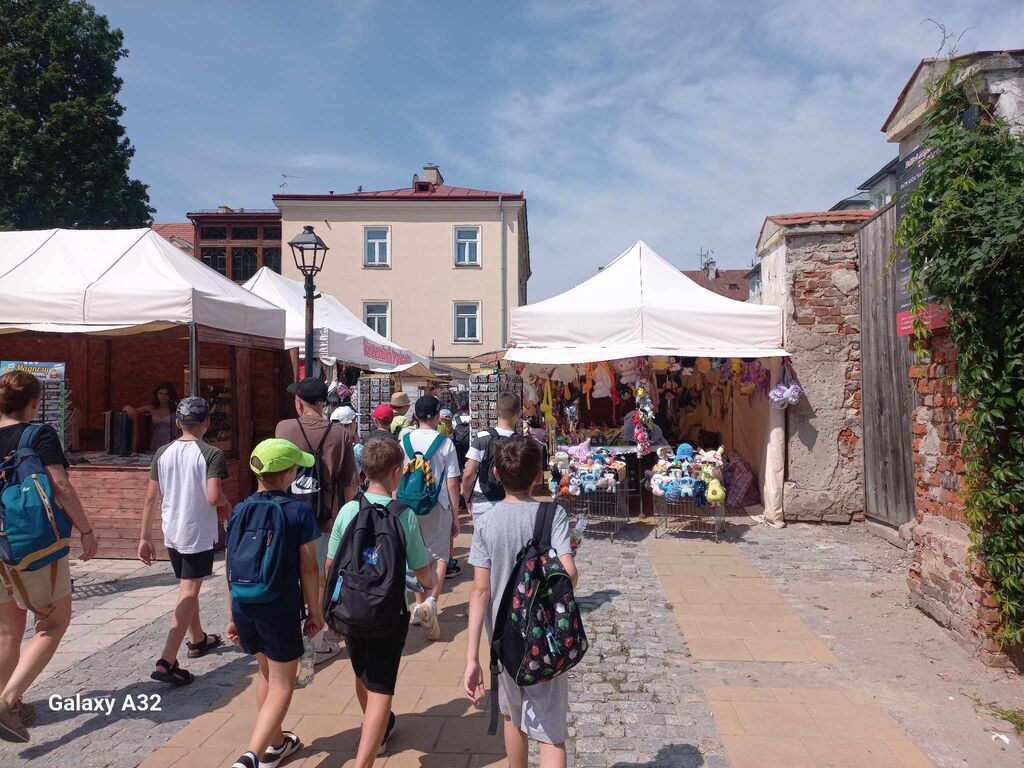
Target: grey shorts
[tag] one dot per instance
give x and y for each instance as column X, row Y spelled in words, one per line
column 540, row 711
column 436, row 528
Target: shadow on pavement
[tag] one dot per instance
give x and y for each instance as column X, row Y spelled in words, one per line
column 670, row 756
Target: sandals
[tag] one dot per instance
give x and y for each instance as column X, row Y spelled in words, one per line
column 173, row 674
column 209, row 642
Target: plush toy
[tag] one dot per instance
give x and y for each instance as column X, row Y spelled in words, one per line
column 574, row 486
column 711, row 457
column 546, row 407
column 659, row 483
column 700, row 489
column 686, row 487
column 715, row 493
column 684, row 452
column 674, row 492
column 565, row 486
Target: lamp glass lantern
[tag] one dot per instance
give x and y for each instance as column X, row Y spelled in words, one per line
column 308, row 250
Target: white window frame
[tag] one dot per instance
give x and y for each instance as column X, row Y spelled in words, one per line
column 387, row 245
column 455, row 322
column 387, row 315
column 479, row 246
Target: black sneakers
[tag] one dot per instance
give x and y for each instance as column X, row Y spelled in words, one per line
column 387, row 735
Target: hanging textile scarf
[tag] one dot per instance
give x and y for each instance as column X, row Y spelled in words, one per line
column 546, row 406
column 588, row 384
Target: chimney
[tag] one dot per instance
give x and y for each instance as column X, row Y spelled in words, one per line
column 432, row 174
column 711, row 269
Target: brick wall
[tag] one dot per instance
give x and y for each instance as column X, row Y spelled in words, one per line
column 825, row 458
column 944, row 582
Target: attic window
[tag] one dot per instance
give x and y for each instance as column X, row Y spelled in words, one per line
column 422, row 186
column 733, row 286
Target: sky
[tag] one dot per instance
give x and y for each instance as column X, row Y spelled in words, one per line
column 680, row 123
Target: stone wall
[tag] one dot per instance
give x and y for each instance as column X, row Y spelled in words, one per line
column 944, row 581
column 825, row 469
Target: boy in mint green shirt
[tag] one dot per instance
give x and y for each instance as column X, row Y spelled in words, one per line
column 375, row 662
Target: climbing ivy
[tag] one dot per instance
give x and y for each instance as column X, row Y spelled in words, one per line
column 963, row 231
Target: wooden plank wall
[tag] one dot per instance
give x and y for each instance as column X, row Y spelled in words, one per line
column 887, row 396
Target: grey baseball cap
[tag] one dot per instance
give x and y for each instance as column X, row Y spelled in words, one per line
column 192, row 411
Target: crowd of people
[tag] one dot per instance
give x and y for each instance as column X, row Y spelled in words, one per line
column 321, row 491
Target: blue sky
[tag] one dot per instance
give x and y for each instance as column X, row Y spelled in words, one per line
column 681, row 123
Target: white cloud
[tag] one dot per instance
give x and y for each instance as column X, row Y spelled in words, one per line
column 686, row 126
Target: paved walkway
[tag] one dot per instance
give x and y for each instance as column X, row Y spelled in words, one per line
column 733, row 654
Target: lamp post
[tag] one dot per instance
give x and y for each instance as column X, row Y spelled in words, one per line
column 309, row 251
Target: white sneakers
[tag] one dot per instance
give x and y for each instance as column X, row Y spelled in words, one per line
column 328, row 650
column 426, row 617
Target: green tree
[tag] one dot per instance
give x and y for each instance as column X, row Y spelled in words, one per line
column 64, row 155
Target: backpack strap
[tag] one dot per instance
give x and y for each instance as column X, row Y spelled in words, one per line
column 407, row 446
column 12, row 581
column 434, row 447
column 542, row 525
column 28, row 436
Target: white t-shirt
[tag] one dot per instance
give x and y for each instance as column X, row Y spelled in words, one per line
column 444, row 463
column 478, row 449
column 182, row 468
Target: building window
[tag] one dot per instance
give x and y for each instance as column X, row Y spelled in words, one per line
column 378, row 247
column 215, row 258
column 271, row 233
column 243, row 233
column 467, row 246
column 377, row 315
column 243, row 264
column 467, row 321
column 272, row 259
column 213, row 233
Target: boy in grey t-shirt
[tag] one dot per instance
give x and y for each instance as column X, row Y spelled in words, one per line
column 540, row 711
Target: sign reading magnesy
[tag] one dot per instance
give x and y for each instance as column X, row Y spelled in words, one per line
column 44, row 371
column 385, row 354
column 909, row 173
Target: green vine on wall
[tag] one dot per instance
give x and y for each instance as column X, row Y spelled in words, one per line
column 963, row 231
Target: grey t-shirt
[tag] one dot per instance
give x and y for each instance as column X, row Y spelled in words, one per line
column 498, row 537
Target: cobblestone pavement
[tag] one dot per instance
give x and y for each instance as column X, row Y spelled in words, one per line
column 635, row 700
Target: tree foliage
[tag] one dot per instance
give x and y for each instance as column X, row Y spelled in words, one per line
column 64, row 156
column 964, row 235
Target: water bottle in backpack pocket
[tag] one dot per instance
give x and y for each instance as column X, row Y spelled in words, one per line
column 34, row 530
column 365, row 592
column 256, row 551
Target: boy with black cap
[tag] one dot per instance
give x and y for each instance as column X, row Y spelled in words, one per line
column 272, row 629
column 442, row 522
column 187, row 473
column 332, row 448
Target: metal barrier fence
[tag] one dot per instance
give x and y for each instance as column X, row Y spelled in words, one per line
column 685, row 517
column 605, row 512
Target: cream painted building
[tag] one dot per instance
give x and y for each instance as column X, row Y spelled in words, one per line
column 432, row 267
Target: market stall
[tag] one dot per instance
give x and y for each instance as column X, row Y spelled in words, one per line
column 124, row 312
column 640, row 357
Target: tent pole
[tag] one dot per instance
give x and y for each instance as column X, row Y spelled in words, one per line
column 193, row 359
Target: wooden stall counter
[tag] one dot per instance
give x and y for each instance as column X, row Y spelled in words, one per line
column 113, row 490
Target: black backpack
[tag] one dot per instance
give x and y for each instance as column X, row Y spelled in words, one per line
column 309, row 482
column 365, row 592
column 538, row 634
column 462, row 436
column 490, row 486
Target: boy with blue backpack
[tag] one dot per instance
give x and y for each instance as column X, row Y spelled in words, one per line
column 430, row 488
column 273, row 580
column 373, row 542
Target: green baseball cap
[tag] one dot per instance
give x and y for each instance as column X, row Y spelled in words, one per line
column 277, row 455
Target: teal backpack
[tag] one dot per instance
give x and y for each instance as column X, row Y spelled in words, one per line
column 256, row 550
column 419, row 488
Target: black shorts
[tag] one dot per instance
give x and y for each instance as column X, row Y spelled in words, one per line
column 376, row 662
column 195, row 566
column 278, row 639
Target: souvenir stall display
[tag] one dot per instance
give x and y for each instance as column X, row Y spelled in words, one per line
column 484, row 389
column 688, row 490
column 370, row 392
column 591, row 485
column 55, row 405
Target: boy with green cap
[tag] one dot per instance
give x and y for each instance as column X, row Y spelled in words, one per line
column 272, row 628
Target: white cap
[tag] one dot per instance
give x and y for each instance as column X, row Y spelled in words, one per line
column 344, row 415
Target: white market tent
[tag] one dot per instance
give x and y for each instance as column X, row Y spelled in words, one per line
column 641, row 305
column 339, row 334
column 119, row 281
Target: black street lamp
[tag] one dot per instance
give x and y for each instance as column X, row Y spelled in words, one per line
column 309, row 251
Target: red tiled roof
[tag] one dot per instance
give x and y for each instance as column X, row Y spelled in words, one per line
column 183, row 230
column 823, row 217
column 435, row 192
column 721, row 284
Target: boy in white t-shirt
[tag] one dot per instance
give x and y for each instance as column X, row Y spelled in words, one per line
column 187, row 473
column 442, row 522
column 481, row 454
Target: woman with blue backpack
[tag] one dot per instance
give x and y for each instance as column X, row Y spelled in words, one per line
column 38, row 507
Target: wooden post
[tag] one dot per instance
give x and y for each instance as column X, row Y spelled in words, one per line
column 241, row 365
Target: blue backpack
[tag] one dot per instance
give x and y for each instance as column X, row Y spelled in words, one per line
column 34, row 530
column 419, row 488
column 256, row 550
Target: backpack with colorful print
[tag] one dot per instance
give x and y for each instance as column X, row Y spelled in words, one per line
column 419, row 488
column 538, row 634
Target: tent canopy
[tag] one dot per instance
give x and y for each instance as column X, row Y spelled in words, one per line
column 339, row 334
column 642, row 305
column 119, row 281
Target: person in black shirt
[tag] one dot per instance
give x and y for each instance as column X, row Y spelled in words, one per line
column 47, row 591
